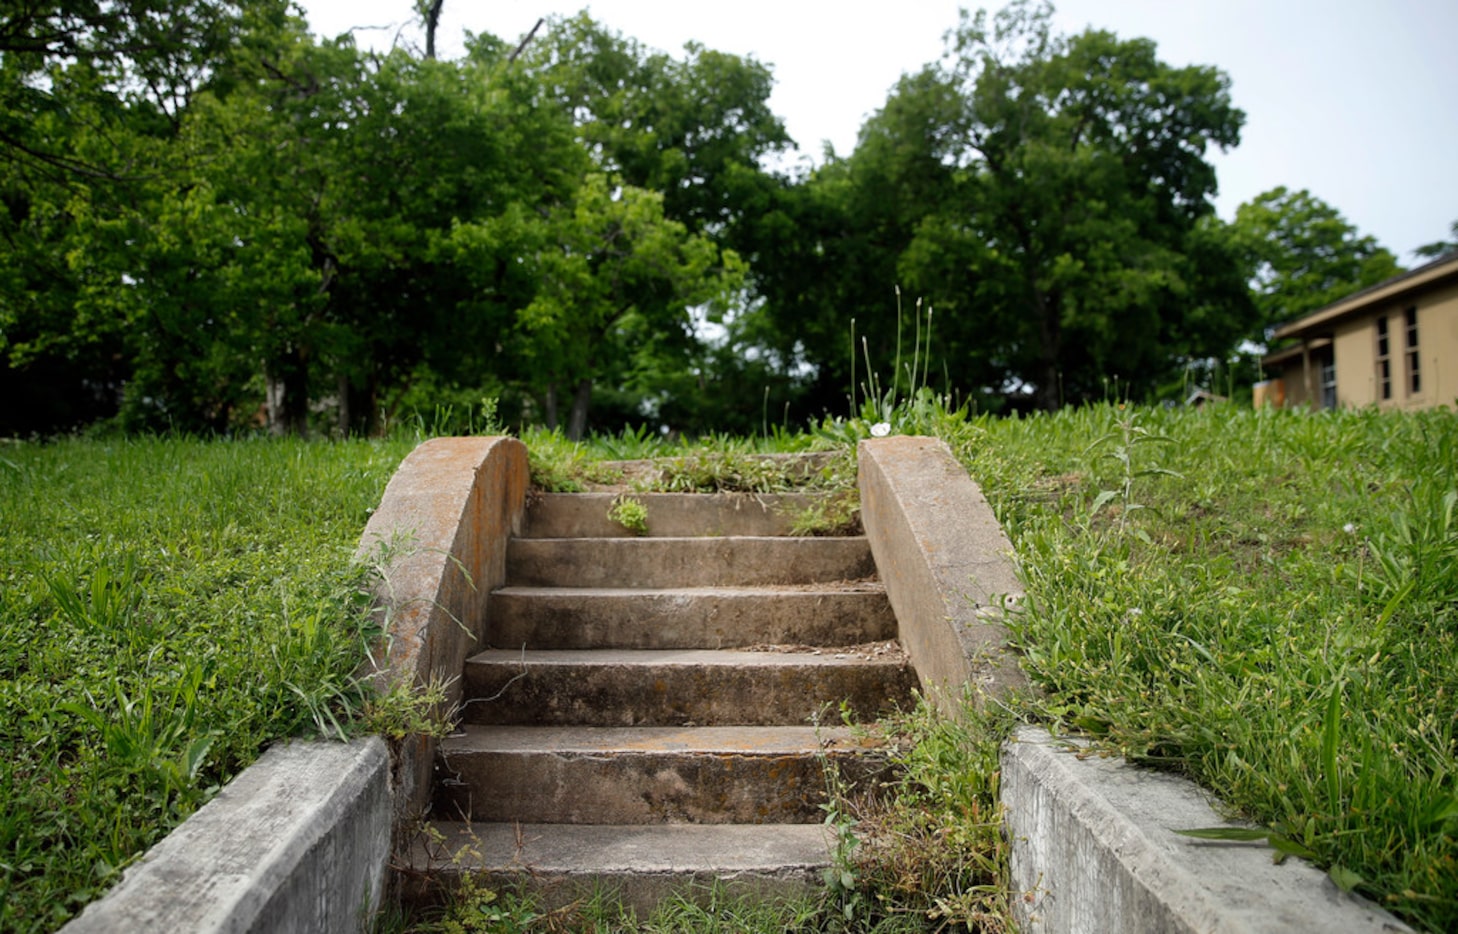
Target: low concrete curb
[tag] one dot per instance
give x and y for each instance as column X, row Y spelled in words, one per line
column 946, row 564
column 1094, row 849
column 299, row 841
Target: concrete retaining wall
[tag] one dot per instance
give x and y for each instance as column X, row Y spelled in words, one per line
column 301, row 840
column 1094, row 849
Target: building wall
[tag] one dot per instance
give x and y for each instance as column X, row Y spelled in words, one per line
column 1355, row 347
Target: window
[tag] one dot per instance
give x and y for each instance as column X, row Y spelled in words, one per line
column 1384, row 360
column 1328, row 382
column 1414, row 376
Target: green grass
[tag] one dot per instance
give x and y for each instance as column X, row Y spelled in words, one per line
column 1264, row 601
column 167, row 608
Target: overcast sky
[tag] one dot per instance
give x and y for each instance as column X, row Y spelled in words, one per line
column 1355, row 100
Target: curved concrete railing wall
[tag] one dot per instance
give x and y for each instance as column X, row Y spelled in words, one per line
column 440, row 537
column 301, row 840
column 947, row 566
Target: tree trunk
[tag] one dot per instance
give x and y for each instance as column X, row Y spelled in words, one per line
column 551, row 406
column 577, row 423
column 1050, row 350
column 432, row 20
column 286, row 389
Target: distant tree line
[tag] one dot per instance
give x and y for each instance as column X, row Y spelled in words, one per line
column 213, row 221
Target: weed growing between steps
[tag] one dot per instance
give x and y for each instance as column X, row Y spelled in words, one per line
column 925, row 851
column 168, row 607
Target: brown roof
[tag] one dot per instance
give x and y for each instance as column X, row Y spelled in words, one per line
column 1430, row 273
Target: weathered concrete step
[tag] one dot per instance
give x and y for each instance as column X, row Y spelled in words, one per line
column 685, row 562
column 623, row 687
column 643, row 775
column 645, row 864
column 688, row 618
column 673, row 515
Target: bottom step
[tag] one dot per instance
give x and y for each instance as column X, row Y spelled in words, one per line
column 643, row 864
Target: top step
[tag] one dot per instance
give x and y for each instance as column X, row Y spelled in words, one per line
column 669, row 515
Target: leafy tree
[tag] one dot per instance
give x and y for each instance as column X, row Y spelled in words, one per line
column 1049, row 197
column 1439, row 247
column 618, row 280
column 1302, row 254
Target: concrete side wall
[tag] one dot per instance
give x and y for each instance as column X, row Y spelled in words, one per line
column 946, row 564
column 440, row 538
column 299, row 841
column 1094, row 849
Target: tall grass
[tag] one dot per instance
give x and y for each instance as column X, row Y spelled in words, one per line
column 167, row 608
column 1265, row 601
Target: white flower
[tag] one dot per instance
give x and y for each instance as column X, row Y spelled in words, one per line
column 880, row 429
column 1350, row 528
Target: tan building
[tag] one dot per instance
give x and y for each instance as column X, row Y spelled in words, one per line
column 1394, row 345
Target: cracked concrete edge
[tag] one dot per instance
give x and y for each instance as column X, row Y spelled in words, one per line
column 946, row 564
column 1095, row 848
column 299, row 841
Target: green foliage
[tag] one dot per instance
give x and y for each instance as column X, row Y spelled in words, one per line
column 630, row 513
column 167, row 608
column 1439, row 247
column 928, row 845
column 1049, row 196
column 1278, row 624
column 1303, row 254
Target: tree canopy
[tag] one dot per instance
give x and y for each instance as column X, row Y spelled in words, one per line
column 1303, row 254
column 214, row 220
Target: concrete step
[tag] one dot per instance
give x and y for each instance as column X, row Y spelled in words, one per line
column 672, row 515
column 623, row 687
column 657, row 563
column 646, row 775
column 688, row 618
column 644, row 863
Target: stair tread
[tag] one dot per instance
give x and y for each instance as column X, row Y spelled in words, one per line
column 709, row 740
column 888, row 653
column 554, row 849
column 861, row 585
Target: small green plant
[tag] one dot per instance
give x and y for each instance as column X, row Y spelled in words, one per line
column 1127, row 438
column 834, row 514
column 630, row 513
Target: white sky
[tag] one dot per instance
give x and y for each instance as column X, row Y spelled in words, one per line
column 1356, row 100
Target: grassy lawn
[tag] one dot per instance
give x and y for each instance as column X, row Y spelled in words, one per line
column 1265, row 601
column 167, row 608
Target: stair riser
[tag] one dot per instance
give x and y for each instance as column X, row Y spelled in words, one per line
column 631, row 788
column 671, row 695
column 568, row 620
column 685, row 562
column 585, row 515
column 644, row 866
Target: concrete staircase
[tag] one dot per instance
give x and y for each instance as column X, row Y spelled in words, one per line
column 656, row 712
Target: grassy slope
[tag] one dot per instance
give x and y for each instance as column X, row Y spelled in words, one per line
column 167, row 608
column 1278, row 620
